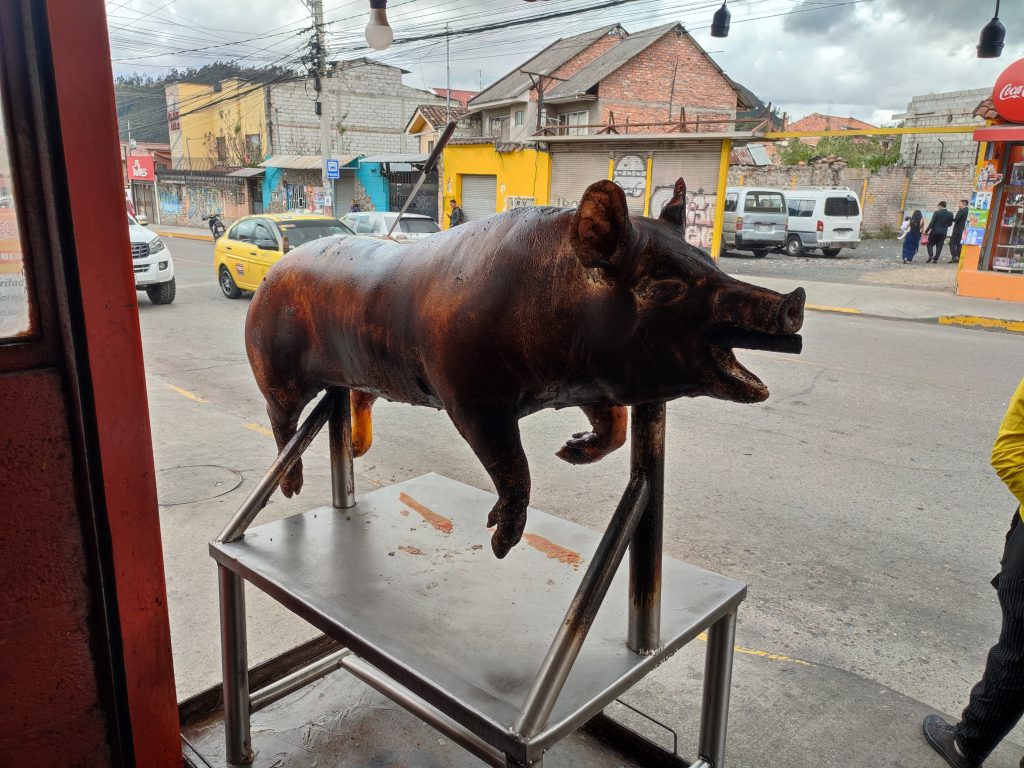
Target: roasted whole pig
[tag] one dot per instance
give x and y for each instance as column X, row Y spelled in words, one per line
column 499, row 318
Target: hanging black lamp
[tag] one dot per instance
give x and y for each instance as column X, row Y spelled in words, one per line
column 720, row 22
column 990, row 44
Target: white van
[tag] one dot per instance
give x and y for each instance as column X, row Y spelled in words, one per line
column 755, row 220
column 822, row 217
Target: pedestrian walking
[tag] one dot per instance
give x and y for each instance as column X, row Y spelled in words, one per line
column 937, row 230
column 957, row 235
column 456, row 217
column 997, row 701
column 912, row 240
column 355, row 207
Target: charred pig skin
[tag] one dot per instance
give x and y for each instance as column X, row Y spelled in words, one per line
column 494, row 320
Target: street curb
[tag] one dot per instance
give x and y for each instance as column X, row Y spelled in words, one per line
column 183, row 235
column 973, row 322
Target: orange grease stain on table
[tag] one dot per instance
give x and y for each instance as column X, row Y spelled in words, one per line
column 552, row 550
column 411, row 550
column 439, row 522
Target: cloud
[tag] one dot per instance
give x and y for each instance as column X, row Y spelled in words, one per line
column 812, row 18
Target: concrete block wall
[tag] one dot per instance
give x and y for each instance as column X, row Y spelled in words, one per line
column 884, row 194
column 643, row 90
column 939, row 109
column 367, row 99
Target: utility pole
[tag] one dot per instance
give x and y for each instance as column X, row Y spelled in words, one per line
column 448, row 69
column 319, row 75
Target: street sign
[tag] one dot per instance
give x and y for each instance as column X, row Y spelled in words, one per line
column 333, row 169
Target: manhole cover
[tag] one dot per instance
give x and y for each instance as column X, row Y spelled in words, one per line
column 184, row 485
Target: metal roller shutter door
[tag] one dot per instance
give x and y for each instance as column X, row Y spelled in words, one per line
column 634, row 180
column 698, row 166
column 572, row 173
column 479, row 196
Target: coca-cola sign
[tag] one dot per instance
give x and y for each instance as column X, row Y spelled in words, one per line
column 1008, row 93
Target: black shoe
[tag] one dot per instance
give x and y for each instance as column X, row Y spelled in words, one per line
column 941, row 736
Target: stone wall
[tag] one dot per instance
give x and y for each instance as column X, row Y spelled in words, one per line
column 184, row 198
column 368, row 108
column 884, row 194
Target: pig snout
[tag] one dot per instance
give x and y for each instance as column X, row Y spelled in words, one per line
column 759, row 309
column 790, row 315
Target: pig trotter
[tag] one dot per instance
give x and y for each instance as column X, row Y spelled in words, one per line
column 609, row 425
column 362, row 422
column 510, row 519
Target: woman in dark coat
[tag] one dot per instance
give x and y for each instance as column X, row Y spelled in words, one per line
column 913, row 239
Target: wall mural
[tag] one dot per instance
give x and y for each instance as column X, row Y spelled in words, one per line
column 190, row 202
column 631, row 174
column 700, row 214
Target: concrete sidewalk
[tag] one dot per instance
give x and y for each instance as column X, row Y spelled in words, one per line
column 187, row 233
column 904, row 304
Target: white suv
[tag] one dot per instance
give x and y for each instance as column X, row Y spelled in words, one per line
column 151, row 260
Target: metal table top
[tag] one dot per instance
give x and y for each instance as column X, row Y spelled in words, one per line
column 407, row 580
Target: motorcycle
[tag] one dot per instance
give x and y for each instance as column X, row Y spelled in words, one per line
column 217, row 227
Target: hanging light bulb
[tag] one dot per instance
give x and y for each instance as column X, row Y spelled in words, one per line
column 720, row 22
column 990, row 44
column 378, row 31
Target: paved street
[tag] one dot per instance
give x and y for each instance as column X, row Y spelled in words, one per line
column 857, row 503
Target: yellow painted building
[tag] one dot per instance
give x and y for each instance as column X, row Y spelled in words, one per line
column 486, row 179
column 217, row 126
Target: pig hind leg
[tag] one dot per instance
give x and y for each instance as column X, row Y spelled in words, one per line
column 609, row 432
column 494, row 437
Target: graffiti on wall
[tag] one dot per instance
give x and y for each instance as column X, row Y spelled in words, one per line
column 700, row 214
column 631, row 174
column 190, row 202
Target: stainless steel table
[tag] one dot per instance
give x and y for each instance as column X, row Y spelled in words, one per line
column 405, row 581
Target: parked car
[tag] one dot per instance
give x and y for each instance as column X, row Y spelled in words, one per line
column 828, row 218
column 413, row 226
column 755, row 220
column 152, row 262
column 252, row 245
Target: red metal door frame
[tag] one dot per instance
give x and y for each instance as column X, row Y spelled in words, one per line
column 114, row 383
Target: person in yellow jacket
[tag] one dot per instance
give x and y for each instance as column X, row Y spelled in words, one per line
column 997, row 701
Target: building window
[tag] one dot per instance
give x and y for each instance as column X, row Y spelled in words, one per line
column 430, row 146
column 572, row 123
column 519, row 117
column 222, row 148
column 499, row 128
column 253, row 148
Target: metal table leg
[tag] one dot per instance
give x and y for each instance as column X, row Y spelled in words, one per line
column 339, row 428
column 235, row 667
column 714, row 715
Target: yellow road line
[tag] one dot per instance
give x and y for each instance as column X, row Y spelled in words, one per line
column 973, row 321
column 186, row 393
column 259, row 428
column 763, row 654
column 841, row 310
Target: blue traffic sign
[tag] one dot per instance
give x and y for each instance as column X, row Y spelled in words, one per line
column 333, row 169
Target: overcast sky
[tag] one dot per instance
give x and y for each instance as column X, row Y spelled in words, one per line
column 865, row 58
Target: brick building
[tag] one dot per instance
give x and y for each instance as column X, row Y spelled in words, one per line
column 650, row 79
column 936, row 109
column 819, row 122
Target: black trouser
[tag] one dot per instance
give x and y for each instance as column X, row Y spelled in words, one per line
column 997, row 701
column 935, row 240
column 954, row 248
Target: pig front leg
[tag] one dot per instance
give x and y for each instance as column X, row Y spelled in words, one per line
column 494, row 437
column 609, row 432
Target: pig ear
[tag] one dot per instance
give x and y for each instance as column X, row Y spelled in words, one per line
column 674, row 211
column 602, row 234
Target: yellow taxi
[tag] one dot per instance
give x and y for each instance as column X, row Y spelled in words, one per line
column 252, row 245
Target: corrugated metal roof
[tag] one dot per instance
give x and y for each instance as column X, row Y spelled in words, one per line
column 609, row 61
column 395, row 158
column 292, row 162
column 551, row 58
column 247, row 172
